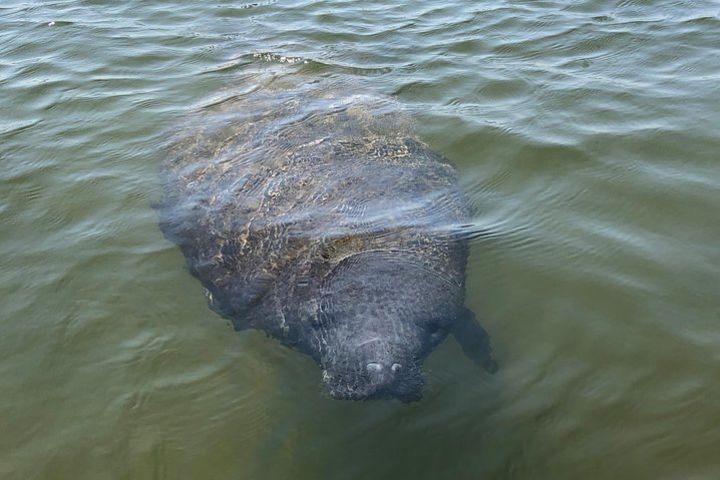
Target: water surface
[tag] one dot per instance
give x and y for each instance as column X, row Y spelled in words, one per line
column 585, row 133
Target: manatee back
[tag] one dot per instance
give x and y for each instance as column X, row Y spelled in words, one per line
column 268, row 192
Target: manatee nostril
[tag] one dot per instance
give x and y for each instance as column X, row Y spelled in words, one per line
column 374, row 367
column 396, row 367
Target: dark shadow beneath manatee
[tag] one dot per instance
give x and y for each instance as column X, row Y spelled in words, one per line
column 317, row 216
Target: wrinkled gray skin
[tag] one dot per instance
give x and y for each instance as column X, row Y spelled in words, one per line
column 316, row 216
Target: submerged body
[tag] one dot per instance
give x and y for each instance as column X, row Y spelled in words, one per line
column 318, row 218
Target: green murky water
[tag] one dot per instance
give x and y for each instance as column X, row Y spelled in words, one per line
column 587, row 132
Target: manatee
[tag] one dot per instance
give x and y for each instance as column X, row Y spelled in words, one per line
column 316, row 215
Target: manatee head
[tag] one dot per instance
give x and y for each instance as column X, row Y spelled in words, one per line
column 365, row 363
column 380, row 318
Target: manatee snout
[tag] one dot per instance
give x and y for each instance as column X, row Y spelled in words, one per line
column 376, row 384
column 392, row 381
column 372, row 370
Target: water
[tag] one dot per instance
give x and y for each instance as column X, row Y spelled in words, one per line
column 585, row 132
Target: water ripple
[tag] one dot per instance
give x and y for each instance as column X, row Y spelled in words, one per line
column 585, row 134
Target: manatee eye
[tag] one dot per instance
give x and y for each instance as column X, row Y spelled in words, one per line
column 396, row 367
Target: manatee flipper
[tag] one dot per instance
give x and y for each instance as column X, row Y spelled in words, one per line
column 243, row 299
column 474, row 340
column 217, row 307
